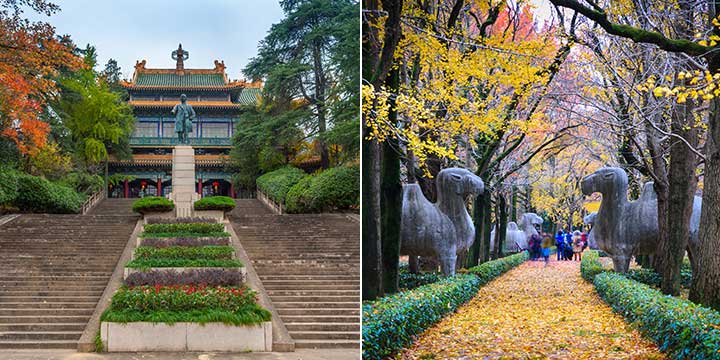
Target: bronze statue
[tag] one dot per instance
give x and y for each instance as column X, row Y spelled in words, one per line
column 184, row 115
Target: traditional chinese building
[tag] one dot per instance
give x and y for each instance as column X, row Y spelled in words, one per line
column 217, row 102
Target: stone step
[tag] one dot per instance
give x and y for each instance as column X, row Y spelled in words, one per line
column 40, row 335
column 325, row 335
column 23, row 327
column 316, row 292
column 289, row 319
column 44, row 319
column 311, row 277
column 314, row 299
column 319, row 311
column 46, row 305
column 50, row 299
column 32, row 344
column 314, row 286
column 49, row 293
column 327, row 344
column 316, row 305
column 322, row 326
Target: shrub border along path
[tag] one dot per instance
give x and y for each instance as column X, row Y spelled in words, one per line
column 681, row 328
column 389, row 324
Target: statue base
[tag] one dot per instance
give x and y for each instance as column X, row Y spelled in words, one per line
column 183, row 180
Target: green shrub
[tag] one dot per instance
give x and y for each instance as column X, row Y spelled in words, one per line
column 334, row 188
column 150, row 204
column 410, row 281
column 682, row 329
column 198, row 228
column 163, row 262
column 650, row 277
column 590, row 265
column 8, row 186
column 276, row 184
column 188, row 303
column 184, row 252
column 186, row 234
column 492, row 269
column 390, row 323
column 223, row 203
column 36, row 194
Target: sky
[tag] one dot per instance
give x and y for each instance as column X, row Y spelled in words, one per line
column 131, row 30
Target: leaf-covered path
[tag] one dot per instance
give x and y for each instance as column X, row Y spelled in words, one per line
column 534, row 312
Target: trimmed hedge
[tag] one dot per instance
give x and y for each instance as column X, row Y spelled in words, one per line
column 590, row 265
column 150, row 204
column 185, row 234
column 223, row 203
column 183, row 220
column 409, row 281
column 682, row 329
column 276, row 184
column 184, row 252
column 196, row 228
column 35, row 194
column 390, row 323
column 334, row 188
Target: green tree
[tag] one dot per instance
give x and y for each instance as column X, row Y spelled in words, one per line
column 96, row 117
column 309, row 57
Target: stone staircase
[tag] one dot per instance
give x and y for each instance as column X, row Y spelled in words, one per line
column 114, row 207
column 310, row 267
column 54, row 269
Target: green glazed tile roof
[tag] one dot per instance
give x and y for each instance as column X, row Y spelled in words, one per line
column 249, row 96
column 174, row 80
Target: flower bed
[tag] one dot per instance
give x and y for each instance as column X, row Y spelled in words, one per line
column 182, row 277
column 390, row 323
column 162, row 242
column 681, row 328
column 185, row 252
column 184, row 220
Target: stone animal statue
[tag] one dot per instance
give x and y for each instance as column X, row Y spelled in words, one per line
column 625, row 228
column 514, row 242
column 590, row 220
column 442, row 229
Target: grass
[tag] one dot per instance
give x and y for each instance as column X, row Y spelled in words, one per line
column 183, row 234
column 249, row 315
column 184, row 252
column 161, row 263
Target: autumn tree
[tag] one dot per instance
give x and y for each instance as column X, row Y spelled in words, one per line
column 30, row 57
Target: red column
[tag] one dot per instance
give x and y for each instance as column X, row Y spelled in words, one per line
column 200, row 187
column 127, row 189
column 232, row 190
column 159, row 187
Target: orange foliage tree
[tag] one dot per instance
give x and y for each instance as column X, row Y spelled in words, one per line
column 30, row 56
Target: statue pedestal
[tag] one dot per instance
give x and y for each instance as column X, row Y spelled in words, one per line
column 183, row 180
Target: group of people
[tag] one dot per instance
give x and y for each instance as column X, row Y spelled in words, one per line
column 570, row 245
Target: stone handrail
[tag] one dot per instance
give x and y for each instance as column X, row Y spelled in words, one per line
column 270, row 203
column 93, row 200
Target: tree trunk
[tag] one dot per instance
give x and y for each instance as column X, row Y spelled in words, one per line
column 320, row 103
column 371, row 245
column 502, row 220
column 390, row 202
column 705, row 288
column 476, row 250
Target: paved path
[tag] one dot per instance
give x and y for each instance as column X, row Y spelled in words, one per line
column 534, row 312
column 301, row 354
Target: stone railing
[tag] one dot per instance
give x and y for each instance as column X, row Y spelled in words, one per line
column 93, row 200
column 270, row 203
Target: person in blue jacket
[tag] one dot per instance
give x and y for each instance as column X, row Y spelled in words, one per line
column 560, row 244
column 568, row 246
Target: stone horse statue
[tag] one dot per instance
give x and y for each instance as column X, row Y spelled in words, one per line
column 625, row 228
column 518, row 238
column 590, row 220
column 442, row 229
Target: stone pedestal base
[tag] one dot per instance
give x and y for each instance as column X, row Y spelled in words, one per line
column 183, row 180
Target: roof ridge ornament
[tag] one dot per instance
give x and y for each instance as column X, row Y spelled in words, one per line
column 180, row 55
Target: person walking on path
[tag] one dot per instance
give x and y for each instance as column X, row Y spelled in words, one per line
column 547, row 243
column 577, row 246
column 568, row 246
column 560, row 244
